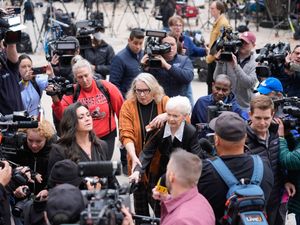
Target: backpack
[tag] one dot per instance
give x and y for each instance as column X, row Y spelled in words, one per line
column 106, row 94
column 245, row 199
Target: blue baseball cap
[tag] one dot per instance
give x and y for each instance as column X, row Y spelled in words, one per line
column 269, row 85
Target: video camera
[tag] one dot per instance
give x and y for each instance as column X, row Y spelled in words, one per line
column 62, row 86
column 64, row 48
column 228, row 42
column 154, row 47
column 290, row 107
column 10, row 27
column 213, row 111
column 11, row 140
column 84, row 30
column 104, row 206
column 272, row 59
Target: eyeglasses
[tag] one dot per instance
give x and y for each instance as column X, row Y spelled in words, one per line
column 142, row 91
column 177, row 25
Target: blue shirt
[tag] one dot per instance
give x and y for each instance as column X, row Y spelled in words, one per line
column 30, row 97
column 176, row 80
column 199, row 114
column 191, row 49
column 125, row 66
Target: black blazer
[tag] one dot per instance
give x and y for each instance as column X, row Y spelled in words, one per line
column 165, row 146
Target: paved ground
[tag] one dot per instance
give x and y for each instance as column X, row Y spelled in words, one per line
column 118, row 23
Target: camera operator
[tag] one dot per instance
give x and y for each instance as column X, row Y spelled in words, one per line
column 241, row 70
column 102, row 97
column 65, row 203
column 66, row 70
column 221, row 91
column 35, row 155
column 10, row 91
column 184, row 205
column 32, row 86
column 100, row 54
column 289, row 160
column 293, row 72
column 176, row 72
column 5, row 176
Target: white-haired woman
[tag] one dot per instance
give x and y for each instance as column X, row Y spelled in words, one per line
column 175, row 133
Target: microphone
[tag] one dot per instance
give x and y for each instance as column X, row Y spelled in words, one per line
column 100, row 169
column 206, row 145
column 21, row 124
column 161, row 186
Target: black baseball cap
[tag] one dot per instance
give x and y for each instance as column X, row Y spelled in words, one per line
column 229, row 126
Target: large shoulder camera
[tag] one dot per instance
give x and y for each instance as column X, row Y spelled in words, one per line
column 104, row 206
column 84, row 30
column 64, row 48
column 290, row 111
column 228, row 42
column 154, row 47
column 12, row 140
column 271, row 59
column 61, row 86
column 10, row 27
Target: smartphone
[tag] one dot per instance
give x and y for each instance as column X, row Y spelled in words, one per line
column 17, row 10
column 14, row 10
column 39, row 70
column 12, row 37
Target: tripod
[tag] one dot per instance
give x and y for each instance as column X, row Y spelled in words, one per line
column 29, row 15
column 48, row 23
column 207, row 22
column 286, row 20
column 132, row 12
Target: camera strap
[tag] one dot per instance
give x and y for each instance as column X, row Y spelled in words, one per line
column 244, row 62
column 36, row 86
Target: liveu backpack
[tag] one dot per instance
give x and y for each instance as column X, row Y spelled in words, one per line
column 245, row 199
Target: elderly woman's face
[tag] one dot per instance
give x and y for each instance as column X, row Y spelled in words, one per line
column 143, row 93
column 175, row 118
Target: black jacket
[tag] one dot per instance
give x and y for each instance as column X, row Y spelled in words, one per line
column 99, row 151
column 270, row 152
column 165, row 146
column 100, row 57
column 4, row 207
column 214, row 189
column 37, row 162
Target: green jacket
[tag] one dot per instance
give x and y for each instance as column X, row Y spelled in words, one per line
column 290, row 160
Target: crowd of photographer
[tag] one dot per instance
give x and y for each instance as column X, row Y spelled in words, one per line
column 169, row 145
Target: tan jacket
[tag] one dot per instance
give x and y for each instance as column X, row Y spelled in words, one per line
column 214, row 34
column 130, row 129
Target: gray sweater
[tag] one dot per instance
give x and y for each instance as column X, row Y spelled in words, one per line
column 243, row 79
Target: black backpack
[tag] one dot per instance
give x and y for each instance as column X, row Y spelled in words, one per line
column 104, row 91
column 245, row 199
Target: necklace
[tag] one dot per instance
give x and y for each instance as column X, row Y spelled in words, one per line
column 142, row 121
